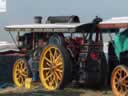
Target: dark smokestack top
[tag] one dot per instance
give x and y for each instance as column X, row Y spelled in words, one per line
column 38, row 19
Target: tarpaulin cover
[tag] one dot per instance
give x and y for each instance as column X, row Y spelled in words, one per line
column 121, row 42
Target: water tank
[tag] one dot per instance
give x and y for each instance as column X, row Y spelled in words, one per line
column 63, row 19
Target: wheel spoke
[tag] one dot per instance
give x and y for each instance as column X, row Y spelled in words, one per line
column 58, row 70
column 118, row 75
column 19, row 79
column 58, row 75
column 123, row 90
column 123, row 74
column 47, row 73
column 125, row 93
column 125, row 79
column 56, row 81
column 125, row 85
column 48, row 76
column 22, row 64
column 46, row 69
column 57, row 58
column 59, row 67
column 50, row 80
column 48, row 64
column 55, row 53
column 24, row 70
column 59, row 63
column 53, row 80
column 51, row 55
column 18, row 66
column 22, row 80
column 48, row 60
column 25, row 74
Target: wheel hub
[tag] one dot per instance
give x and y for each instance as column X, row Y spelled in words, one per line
column 120, row 82
column 53, row 68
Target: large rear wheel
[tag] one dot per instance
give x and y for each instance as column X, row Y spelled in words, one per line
column 55, row 67
column 119, row 81
column 20, row 72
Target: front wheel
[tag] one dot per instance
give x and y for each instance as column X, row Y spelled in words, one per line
column 20, row 72
column 55, row 67
column 119, row 81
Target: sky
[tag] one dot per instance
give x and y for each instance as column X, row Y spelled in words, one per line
column 23, row 11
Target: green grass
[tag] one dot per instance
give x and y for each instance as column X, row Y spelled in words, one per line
column 38, row 91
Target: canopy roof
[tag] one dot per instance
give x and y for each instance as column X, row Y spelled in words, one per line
column 58, row 27
column 113, row 23
column 116, row 22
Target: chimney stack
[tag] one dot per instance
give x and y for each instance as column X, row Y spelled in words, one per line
column 37, row 19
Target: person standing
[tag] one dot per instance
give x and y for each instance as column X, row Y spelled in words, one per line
column 33, row 61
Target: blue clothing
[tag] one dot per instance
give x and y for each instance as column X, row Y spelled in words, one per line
column 34, row 63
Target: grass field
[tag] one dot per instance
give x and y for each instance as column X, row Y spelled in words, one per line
column 38, row 91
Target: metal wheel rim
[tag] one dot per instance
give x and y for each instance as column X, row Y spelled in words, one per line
column 120, row 81
column 51, row 68
column 20, row 72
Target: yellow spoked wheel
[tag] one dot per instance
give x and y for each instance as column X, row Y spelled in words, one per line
column 52, row 68
column 20, row 72
column 119, row 81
